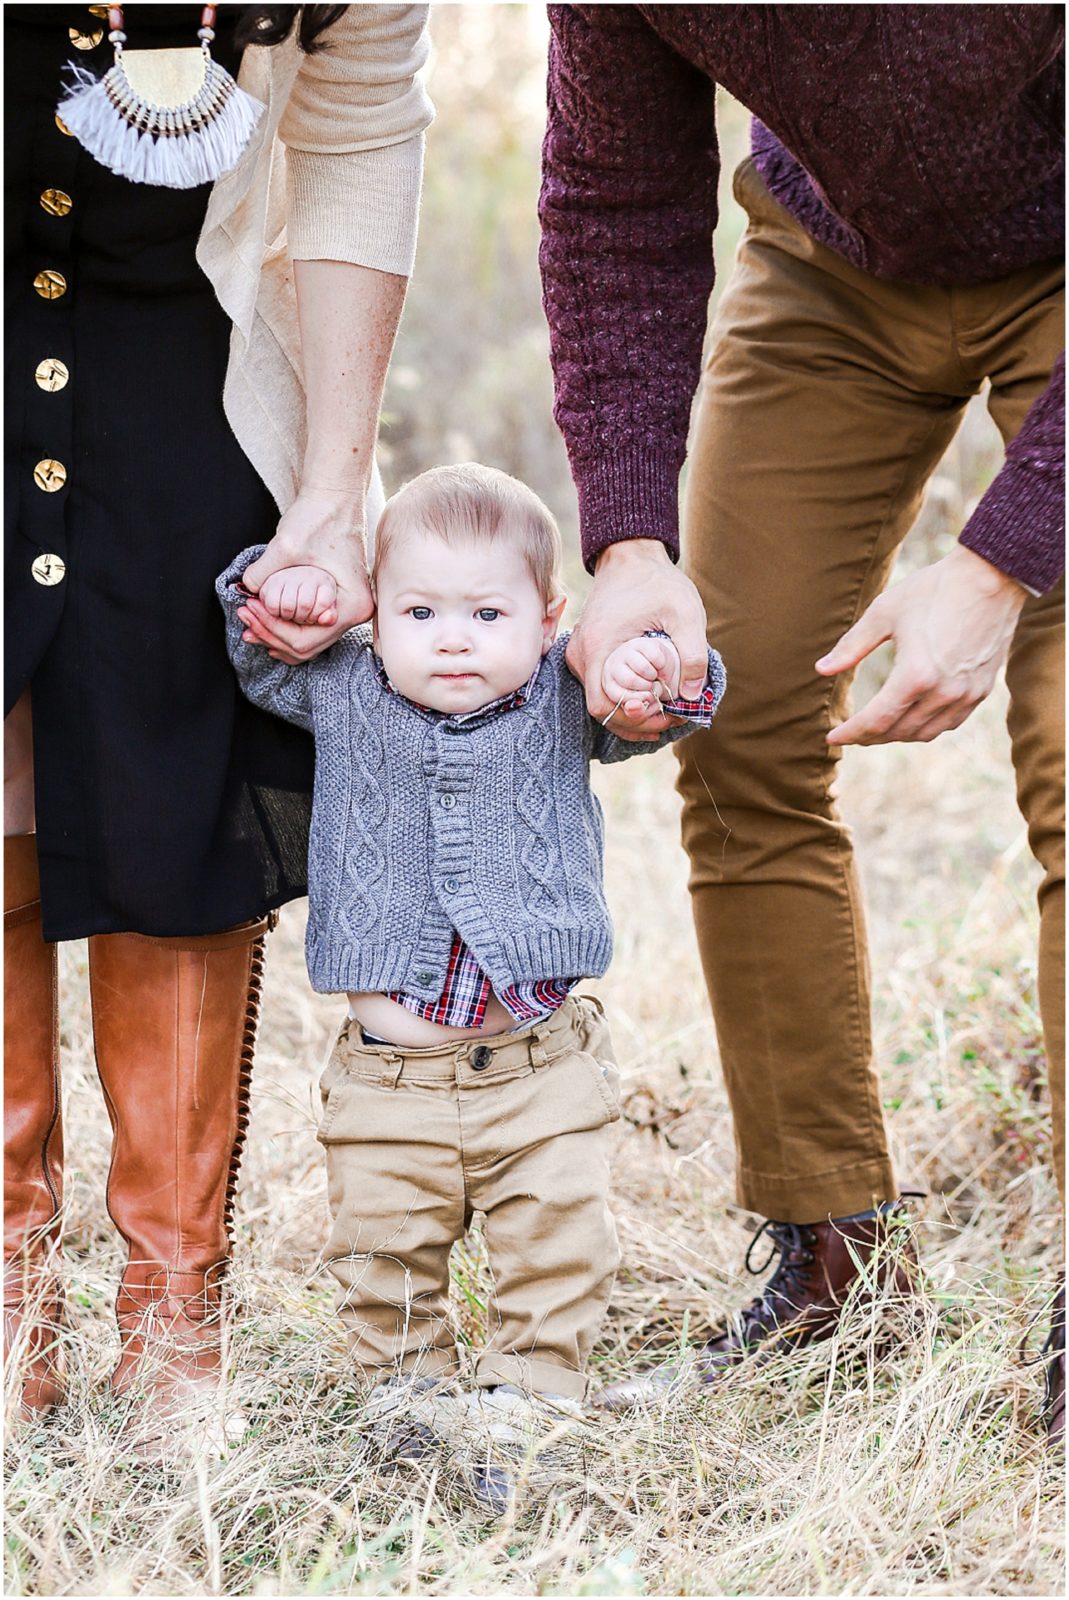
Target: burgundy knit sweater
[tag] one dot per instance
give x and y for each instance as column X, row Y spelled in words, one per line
column 922, row 142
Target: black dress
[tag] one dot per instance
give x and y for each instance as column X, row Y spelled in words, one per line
column 166, row 804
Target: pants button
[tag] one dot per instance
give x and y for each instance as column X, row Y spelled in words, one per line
column 481, row 1057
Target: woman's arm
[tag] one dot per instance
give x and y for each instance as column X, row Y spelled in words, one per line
column 348, row 318
column 353, row 131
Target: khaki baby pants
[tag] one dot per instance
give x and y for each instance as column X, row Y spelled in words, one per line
column 514, row 1126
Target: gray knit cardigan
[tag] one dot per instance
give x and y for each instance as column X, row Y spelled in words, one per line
column 422, row 823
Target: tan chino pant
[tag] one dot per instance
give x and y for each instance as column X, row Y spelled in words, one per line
column 827, row 399
column 514, row 1126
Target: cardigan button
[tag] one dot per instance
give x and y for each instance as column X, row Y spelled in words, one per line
column 448, row 801
column 481, row 1057
column 424, row 977
column 451, row 885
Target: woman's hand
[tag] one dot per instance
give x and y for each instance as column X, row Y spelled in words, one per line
column 951, row 624
column 324, row 528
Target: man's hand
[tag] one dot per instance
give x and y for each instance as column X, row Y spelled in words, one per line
column 324, row 529
column 636, row 586
column 951, row 625
column 636, row 671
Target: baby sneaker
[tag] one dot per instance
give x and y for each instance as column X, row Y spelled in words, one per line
column 514, row 1440
column 408, row 1420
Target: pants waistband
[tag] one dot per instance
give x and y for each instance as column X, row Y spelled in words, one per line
column 491, row 1056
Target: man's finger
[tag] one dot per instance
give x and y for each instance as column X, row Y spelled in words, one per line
column 873, row 722
column 650, row 727
column 907, row 728
column 693, row 662
column 868, row 632
column 925, row 721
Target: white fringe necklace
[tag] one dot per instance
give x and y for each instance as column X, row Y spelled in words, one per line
column 173, row 118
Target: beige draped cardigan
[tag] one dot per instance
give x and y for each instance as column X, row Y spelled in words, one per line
column 333, row 172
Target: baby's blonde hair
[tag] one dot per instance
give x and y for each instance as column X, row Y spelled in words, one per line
column 473, row 502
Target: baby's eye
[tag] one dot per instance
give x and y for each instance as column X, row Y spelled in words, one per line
column 488, row 614
column 420, row 613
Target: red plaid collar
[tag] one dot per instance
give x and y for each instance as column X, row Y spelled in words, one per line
column 505, row 702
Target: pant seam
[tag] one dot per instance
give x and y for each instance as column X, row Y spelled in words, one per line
column 858, row 1026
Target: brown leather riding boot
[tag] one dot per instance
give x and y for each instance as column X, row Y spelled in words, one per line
column 33, row 1138
column 174, row 1023
column 819, row 1263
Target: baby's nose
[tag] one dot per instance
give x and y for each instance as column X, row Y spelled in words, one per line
column 454, row 641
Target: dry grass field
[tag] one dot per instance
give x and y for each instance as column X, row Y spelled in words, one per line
column 854, row 1470
column 849, row 1472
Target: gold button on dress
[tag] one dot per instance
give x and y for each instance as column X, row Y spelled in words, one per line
column 50, row 475
column 52, row 374
column 50, row 284
column 62, row 126
column 49, row 570
column 85, row 41
column 56, row 202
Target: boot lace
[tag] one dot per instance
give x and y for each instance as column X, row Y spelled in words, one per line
column 795, row 1245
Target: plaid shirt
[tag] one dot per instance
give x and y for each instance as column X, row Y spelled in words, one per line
column 464, row 998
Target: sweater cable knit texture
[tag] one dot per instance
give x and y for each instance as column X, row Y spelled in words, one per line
column 923, row 143
column 424, row 825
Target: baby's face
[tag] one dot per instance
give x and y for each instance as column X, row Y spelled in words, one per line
column 459, row 625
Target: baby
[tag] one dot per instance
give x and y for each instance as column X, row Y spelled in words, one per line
column 455, row 888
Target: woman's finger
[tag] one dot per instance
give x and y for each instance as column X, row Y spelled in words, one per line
column 269, row 626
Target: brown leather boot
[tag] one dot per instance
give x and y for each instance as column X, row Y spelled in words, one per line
column 33, row 1137
column 802, row 1301
column 1054, row 1385
column 174, row 1023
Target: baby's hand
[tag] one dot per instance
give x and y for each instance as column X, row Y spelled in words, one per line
column 301, row 594
column 640, row 675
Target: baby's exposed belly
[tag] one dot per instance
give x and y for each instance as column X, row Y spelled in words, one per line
column 378, row 1014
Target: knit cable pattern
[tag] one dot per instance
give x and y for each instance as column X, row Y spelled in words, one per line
column 421, row 825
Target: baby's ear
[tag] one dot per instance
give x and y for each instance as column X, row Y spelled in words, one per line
column 551, row 620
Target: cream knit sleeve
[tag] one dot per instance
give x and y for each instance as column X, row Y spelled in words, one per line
column 353, row 131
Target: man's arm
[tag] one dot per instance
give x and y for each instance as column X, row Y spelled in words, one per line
column 628, row 208
column 1019, row 525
